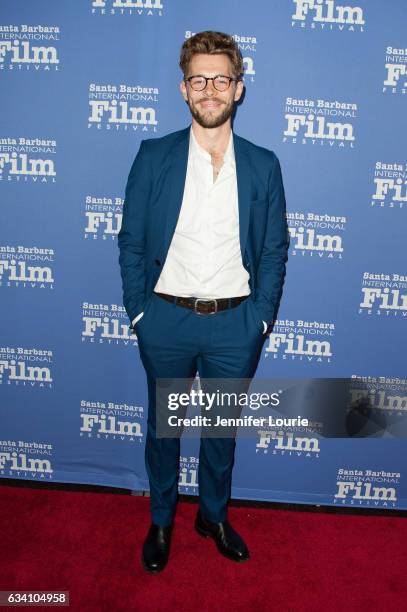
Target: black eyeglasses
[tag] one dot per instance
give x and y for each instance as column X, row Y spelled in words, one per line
column 220, row 82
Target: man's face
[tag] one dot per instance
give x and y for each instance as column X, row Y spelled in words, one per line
column 210, row 107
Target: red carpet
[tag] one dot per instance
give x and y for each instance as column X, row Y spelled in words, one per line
column 90, row 544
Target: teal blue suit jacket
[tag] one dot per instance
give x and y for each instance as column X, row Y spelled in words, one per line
column 152, row 204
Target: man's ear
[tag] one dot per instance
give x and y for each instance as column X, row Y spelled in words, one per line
column 239, row 90
column 183, row 90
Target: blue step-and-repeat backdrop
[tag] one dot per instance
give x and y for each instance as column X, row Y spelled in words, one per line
column 82, row 83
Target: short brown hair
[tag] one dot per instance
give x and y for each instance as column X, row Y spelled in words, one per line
column 212, row 43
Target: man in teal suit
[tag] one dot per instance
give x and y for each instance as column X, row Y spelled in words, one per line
column 203, row 247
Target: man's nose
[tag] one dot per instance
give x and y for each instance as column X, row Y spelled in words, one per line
column 210, row 88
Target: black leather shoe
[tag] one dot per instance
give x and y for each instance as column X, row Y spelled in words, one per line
column 227, row 540
column 156, row 548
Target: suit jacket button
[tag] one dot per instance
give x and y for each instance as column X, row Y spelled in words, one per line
column 157, row 261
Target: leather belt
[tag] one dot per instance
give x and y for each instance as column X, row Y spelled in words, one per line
column 203, row 305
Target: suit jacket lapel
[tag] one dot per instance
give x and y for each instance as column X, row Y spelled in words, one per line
column 243, row 175
column 177, row 176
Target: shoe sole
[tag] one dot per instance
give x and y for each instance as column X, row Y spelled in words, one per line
column 208, row 534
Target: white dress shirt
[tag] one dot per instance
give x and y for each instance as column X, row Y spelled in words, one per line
column 204, row 257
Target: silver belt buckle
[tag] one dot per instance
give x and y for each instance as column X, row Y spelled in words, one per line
column 205, row 300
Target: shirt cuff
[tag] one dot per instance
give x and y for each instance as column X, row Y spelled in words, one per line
column 137, row 318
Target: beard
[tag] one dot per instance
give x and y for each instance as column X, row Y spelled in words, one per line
column 207, row 119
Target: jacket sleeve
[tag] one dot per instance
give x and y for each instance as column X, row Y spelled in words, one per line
column 131, row 237
column 271, row 269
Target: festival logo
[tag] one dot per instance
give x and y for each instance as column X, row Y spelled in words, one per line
column 26, row 460
column 390, row 185
column 22, row 160
column 371, row 488
column 188, row 475
column 320, row 122
column 123, row 108
column 327, row 15
column 25, row 367
column 149, row 8
column 111, row 421
column 380, row 394
column 384, row 295
column 103, row 217
column 25, row 47
column 248, row 47
column 27, row 267
column 316, row 235
column 290, row 442
column 307, row 341
column 106, row 324
column 395, row 66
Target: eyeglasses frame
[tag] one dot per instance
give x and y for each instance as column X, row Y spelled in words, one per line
column 187, row 80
